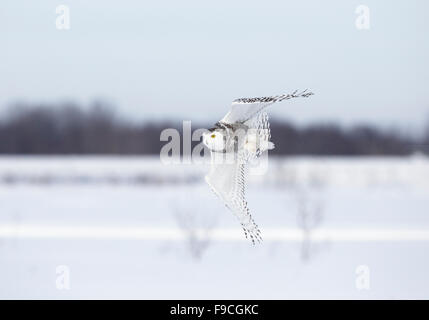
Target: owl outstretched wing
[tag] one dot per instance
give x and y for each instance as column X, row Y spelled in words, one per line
column 246, row 108
column 227, row 179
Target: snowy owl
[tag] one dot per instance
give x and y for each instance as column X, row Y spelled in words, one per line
column 241, row 136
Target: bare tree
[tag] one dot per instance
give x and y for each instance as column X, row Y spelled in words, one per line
column 197, row 226
column 309, row 217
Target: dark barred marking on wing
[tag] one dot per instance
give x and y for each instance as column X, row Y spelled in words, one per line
column 221, row 125
column 238, row 199
column 273, row 99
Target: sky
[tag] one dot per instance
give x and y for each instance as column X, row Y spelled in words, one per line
column 189, row 59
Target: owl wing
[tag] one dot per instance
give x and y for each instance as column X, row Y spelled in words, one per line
column 246, row 108
column 227, row 179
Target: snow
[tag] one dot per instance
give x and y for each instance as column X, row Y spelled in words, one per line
column 132, row 227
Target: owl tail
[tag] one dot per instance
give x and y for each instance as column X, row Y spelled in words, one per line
column 252, row 145
column 270, row 145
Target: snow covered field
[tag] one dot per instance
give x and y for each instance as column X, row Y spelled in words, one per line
column 132, row 227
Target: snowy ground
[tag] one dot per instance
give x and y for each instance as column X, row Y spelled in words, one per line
column 131, row 227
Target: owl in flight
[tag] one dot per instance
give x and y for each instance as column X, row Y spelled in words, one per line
column 240, row 137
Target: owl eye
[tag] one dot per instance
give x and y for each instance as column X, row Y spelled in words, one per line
column 213, row 136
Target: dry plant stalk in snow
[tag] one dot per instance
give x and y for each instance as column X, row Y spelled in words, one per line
column 197, row 227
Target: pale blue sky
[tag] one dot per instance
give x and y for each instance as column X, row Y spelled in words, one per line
column 189, row 59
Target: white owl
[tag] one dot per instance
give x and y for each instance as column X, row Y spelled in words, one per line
column 242, row 135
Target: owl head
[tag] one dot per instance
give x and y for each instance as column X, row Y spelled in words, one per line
column 215, row 139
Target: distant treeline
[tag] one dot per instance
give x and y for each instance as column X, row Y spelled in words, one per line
column 68, row 129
